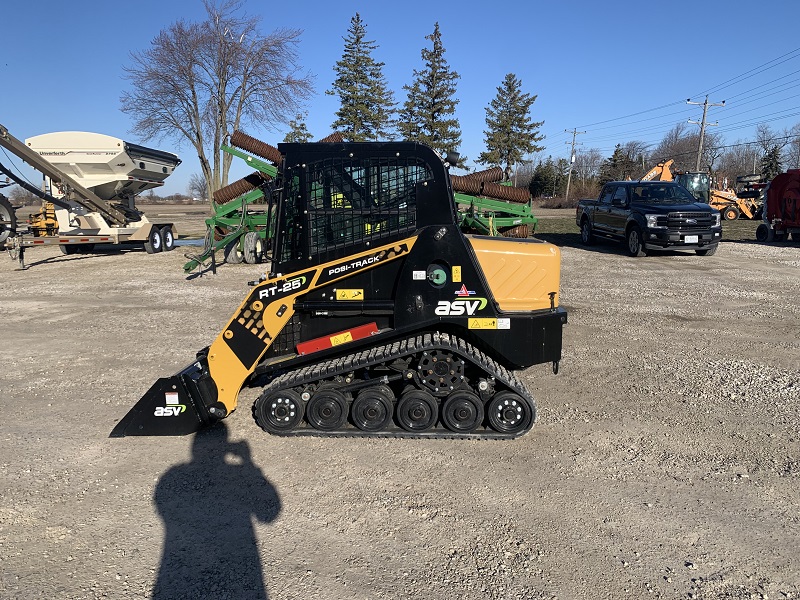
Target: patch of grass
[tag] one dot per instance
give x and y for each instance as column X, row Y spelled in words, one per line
column 741, row 229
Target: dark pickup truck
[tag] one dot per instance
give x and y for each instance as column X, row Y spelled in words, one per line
column 650, row 215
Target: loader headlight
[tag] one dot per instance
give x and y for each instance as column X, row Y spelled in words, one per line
column 656, row 221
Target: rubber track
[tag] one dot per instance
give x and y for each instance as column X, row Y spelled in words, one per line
column 387, row 353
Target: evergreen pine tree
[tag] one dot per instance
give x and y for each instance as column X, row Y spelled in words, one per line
column 511, row 134
column 428, row 113
column 771, row 163
column 298, row 132
column 367, row 103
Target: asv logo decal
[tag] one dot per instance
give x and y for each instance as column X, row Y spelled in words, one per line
column 460, row 306
column 172, row 409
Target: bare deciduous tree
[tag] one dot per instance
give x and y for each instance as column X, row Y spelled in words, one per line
column 197, row 188
column 200, row 81
column 587, row 164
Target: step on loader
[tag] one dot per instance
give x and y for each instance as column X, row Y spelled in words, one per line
column 379, row 316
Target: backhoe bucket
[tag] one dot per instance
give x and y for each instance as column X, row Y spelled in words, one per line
column 177, row 405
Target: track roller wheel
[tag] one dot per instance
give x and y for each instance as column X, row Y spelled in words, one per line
column 372, row 408
column 417, row 411
column 462, row 411
column 278, row 411
column 509, row 413
column 327, row 410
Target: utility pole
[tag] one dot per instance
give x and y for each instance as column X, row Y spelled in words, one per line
column 703, row 126
column 574, row 132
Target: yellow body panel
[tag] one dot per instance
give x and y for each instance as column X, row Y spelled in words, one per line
column 521, row 274
column 262, row 316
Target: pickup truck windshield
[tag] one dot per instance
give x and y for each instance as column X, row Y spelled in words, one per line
column 661, row 194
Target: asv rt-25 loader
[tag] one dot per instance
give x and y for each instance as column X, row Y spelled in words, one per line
column 379, row 317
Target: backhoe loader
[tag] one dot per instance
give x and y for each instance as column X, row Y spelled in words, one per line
column 378, row 316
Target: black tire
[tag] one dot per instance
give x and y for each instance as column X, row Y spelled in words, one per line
column 233, row 255
column 69, row 249
column 764, row 233
column 634, row 243
column 168, row 238
column 587, row 236
column 417, row 411
column 327, row 410
column 508, row 412
column 795, row 236
column 372, row 408
column 8, row 219
column 730, row 213
column 253, row 248
column 155, row 242
column 462, row 411
column 278, row 412
column 708, row 251
column 84, row 248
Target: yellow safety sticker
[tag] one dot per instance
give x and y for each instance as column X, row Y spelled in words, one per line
column 456, row 274
column 342, row 338
column 349, row 294
column 483, row 323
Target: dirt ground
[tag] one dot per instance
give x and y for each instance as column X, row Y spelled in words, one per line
column 665, row 462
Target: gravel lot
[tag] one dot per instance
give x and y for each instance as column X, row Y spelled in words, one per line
column 665, row 462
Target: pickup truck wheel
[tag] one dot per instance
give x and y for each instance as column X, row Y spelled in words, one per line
column 634, row 239
column 708, row 251
column 587, row 237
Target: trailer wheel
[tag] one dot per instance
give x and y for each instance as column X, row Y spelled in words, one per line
column 68, row 249
column 731, row 213
column 168, row 238
column 253, row 248
column 8, row 219
column 154, row 241
column 765, row 233
column 233, row 255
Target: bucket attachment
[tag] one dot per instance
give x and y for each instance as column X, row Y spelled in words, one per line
column 177, row 405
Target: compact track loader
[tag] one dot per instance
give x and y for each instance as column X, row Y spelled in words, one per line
column 378, row 317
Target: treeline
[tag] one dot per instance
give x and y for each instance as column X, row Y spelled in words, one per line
column 770, row 153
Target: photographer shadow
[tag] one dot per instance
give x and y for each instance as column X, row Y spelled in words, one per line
column 208, row 506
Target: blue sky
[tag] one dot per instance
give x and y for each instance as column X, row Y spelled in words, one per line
column 621, row 71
